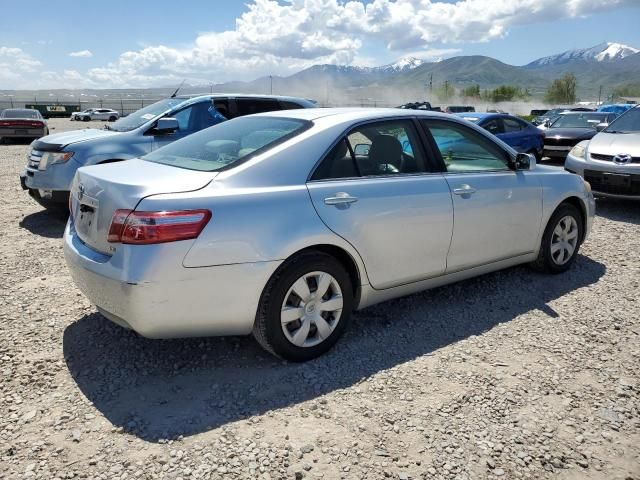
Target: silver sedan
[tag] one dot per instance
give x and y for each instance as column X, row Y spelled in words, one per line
column 281, row 224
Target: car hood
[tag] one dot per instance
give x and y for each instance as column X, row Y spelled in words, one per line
column 581, row 133
column 58, row 141
column 616, row 143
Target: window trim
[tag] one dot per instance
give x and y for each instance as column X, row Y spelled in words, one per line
column 508, row 157
column 414, row 120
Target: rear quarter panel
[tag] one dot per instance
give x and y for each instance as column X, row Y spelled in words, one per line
column 252, row 224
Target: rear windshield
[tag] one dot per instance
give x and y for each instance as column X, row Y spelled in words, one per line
column 20, row 114
column 228, row 144
column 579, row 120
column 142, row 116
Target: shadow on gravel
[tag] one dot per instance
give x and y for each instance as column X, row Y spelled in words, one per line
column 159, row 389
column 619, row 210
column 45, row 223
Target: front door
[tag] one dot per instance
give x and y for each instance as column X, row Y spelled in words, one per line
column 497, row 211
column 375, row 190
column 190, row 119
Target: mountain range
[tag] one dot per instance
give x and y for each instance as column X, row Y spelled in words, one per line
column 607, row 64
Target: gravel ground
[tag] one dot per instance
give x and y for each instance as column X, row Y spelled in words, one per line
column 512, row 375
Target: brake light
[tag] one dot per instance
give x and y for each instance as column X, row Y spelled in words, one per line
column 144, row 228
column 21, row 123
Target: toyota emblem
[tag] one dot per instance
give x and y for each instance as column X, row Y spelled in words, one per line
column 622, row 159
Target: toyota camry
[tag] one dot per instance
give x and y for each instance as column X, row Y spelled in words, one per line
column 281, row 224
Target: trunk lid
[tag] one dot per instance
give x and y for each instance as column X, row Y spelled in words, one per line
column 98, row 191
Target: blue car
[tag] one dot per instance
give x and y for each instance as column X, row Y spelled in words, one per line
column 618, row 108
column 515, row 132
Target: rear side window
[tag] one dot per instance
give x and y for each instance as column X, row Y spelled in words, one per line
column 286, row 105
column 248, row 106
column 512, row 125
column 386, row 148
column 228, row 144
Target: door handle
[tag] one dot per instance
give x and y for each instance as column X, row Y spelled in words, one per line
column 340, row 198
column 464, row 190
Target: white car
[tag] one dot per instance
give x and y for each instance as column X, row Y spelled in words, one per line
column 610, row 161
column 105, row 114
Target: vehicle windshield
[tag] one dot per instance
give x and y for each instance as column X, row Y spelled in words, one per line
column 20, row 114
column 629, row 122
column 579, row 120
column 142, row 116
column 228, row 144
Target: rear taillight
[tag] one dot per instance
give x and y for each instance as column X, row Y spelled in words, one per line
column 21, row 123
column 143, row 228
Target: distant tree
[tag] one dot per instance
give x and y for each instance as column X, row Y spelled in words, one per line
column 505, row 93
column 472, row 91
column 445, row 92
column 562, row 90
column 627, row 90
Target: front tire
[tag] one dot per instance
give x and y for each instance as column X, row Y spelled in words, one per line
column 305, row 307
column 85, row 119
column 561, row 240
column 113, row 118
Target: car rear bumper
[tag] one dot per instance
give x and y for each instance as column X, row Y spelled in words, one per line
column 22, row 133
column 182, row 302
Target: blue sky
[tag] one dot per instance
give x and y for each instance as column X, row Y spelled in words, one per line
column 201, row 41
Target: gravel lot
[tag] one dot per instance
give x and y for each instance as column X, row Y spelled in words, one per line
column 512, row 375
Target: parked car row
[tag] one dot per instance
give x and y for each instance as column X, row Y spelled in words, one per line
column 261, row 214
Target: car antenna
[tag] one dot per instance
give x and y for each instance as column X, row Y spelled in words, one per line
column 177, row 89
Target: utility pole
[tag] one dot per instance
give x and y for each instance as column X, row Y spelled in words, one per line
column 446, row 89
column 599, row 95
column 271, row 84
column 430, row 86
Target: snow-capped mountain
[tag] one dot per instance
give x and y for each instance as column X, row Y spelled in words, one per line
column 604, row 52
column 405, row 63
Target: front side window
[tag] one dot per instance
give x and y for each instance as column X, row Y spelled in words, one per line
column 380, row 148
column 493, row 126
column 228, row 143
column 465, row 150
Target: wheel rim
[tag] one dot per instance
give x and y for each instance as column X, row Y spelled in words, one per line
column 564, row 240
column 311, row 309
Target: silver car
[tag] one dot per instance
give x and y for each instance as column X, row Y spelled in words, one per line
column 282, row 224
column 105, row 114
column 54, row 159
column 610, row 161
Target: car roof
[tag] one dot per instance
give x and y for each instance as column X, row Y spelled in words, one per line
column 353, row 113
column 205, row 96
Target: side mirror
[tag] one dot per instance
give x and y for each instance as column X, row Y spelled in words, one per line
column 523, row 161
column 166, row 125
column 362, row 149
column 601, row 126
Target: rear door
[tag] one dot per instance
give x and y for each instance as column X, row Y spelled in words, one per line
column 516, row 134
column 497, row 210
column 377, row 190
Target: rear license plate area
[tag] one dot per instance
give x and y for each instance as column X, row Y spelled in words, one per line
column 21, row 131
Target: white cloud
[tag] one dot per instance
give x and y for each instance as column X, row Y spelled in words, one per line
column 15, row 65
column 282, row 36
column 81, row 54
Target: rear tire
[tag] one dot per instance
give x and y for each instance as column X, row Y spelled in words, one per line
column 113, row 118
column 85, row 119
column 561, row 240
column 304, row 308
